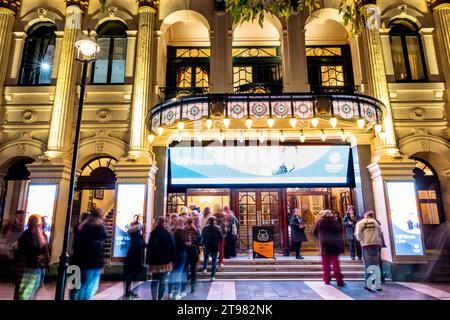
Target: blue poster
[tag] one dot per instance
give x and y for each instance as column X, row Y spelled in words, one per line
column 259, row 165
column 406, row 228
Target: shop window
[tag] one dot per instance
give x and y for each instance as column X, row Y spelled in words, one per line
column 256, row 69
column 109, row 68
column 330, row 69
column 406, row 51
column 37, row 60
column 175, row 200
column 187, row 71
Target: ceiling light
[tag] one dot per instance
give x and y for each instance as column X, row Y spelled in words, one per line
column 323, row 136
column 343, row 135
column 282, row 137
column 151, row 138
column 209, row 123
column 293, row 122
column 160, row 130
column 226, row 122
column 248, row 123
column 180, row 125
column 333, row 122
column 302, row 137
column 241, row 138
column 270, row 122
column 361, row 122
column 314, row 122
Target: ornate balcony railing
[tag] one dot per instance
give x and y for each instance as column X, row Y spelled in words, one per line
column 167, row 93
column 302, row 106
column 260, row 88
column 334, row 89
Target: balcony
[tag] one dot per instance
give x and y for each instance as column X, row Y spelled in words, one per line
column 167, row 93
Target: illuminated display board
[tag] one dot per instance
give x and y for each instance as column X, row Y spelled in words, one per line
column 41, row 201
column 406, row 227
column 259, row 165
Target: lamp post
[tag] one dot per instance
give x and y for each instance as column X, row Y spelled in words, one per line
column 87, row 50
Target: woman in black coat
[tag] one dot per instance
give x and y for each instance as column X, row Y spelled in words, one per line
column 350, row 220
column 160, row 257
column 329, row 233
column 134, row 259
column 297, row 232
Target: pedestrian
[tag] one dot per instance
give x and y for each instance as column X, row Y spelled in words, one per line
column 222, row 222
column 233, row 234
column 134, row 260
column 31, row 258
column 383, row 245
column 160, row 257
column 193, row 207
column 368, row 232
column 184, row 213
column 193, row 252
column 178, row 275
column 195, row 215
column 173, row 221
column 350, row 220
column 211, row 238
column 298, row 232
column 89, row 253
column 73, row 294
column 10, row 234
column 205, row 216
column 329, row 233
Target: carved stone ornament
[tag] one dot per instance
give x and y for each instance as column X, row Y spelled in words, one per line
column 112, row 11
column 425, row 145
column 12, row 5
column 42, row 12
column 29, row 116
column 82, row 4
column 417, row 113
column 402, row 9
column 22, row 149
column 104, row 115
column 99, row 147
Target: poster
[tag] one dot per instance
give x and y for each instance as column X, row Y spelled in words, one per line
column 406, row 227
column 263, row 246
column 259, row 165
column 41, row 201
column 130, row 201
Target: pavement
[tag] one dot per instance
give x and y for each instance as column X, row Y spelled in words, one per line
column 266, row 290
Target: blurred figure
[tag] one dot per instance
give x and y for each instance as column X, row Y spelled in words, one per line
column 46, row 227
column 75, row 243
column 184, row 213
column 88, row 253
column 93, row 207
column 205, row 216
column 193, row 207
column 32, row 257
column 350, row 220
column 13, row 230
column 135, row 256
column 160, row 257
column 195, row 215
column 178, row 275
column 211, row 236
column 233, row 231
column 383, row 245
column 297, row 232
column 173, row 221
column 222, row 222
column 193, row 252
column 329, row 233
column 368, row 232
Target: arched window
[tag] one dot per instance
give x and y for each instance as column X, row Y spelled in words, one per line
column 407, row 51
column 37, row 61
column 109, row 68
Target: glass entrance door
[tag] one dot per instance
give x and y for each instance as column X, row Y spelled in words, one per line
column 258, row 207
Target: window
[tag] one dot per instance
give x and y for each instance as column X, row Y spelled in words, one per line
column 406, row 51
column 256, row 69
column 330, row 69
column 109, row 68
column 37, row 61
column 187, row 71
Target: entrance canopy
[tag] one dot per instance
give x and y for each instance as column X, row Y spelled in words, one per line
column 281, row 165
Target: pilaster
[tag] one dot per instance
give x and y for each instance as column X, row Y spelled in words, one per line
column 8, row 10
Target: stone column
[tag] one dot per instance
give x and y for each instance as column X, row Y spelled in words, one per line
column 441, row 16
column 221, row 65
column 376, row 76
column 295, row 69
column 58, row 138
column 364, row 201
column 160, row 181
column 142, row 80
column 7, row 15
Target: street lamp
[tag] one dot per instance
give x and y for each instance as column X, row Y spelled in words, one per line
column 87, row 49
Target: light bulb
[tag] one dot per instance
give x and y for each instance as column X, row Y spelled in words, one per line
column 87, row 47
column 248, row 123
column 361, row 123
column 226, row 122
column 209, row 123
column 343, row 135
column 180, row 125
column 323, row 136
column 45, row 66
column 302, row 137
column 220, row 137
column 314, row 122
column 333, row 122
column 241, row 138
column 160, row 130
column 151, row 138
column 270, row 122
column 261, row 137
column 179, row 137
column 378, row 128
column 282, row 137
column 293, row 122
column 199, row 138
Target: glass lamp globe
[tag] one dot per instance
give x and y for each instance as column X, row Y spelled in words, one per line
column 270, row 122
column 314, row 122
column 87, row 47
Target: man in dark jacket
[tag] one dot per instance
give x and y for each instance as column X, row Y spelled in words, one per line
column 329, row 233
column 297, row 232
column 88, row 253
column 350, row 220
column 212, row 236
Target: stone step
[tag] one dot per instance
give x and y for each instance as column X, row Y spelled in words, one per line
column 275, row 274
column 284, row 261
column 281, row 268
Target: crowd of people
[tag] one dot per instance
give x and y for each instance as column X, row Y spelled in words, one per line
column 362, row 235
column 174, row 248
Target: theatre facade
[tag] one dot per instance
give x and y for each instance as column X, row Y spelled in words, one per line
column 184, row 106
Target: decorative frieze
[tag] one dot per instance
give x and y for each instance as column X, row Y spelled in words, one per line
column 82, row 4
column 11, row 5
column 154, row 4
